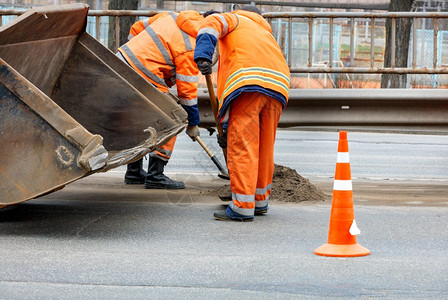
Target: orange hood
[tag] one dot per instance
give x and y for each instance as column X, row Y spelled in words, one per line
column 190, row 21
column 254, row 17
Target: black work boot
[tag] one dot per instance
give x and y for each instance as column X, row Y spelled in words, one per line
column 223, row 216
column 135, row 173
column 155, row 178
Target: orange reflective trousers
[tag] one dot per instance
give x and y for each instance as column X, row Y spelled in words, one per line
column 252, row 125
column 164, row 152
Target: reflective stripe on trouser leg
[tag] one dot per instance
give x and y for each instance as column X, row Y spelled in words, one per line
column 262, row 196
column 269, row 118
column 243, row 140
column 243, row 204
column 164, row 152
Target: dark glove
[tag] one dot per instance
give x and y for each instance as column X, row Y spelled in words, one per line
column 204, row 66
column 222, row 140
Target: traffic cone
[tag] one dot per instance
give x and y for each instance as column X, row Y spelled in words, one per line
column 343, row 230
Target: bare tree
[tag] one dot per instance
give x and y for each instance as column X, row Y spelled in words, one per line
column 403, row 34
column 125, row 22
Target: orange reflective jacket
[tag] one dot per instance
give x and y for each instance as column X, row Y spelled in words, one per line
column 249, row 54
column 163, row 52
column 138, row 27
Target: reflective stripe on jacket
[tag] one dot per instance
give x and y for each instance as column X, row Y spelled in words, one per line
column 249, row 54
column 163, row 53
column 138, row 27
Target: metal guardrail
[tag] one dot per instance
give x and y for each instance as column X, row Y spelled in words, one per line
column 312, row 16
column 392, row 109
column 393, row 16
column 117, row 13
column 97, row 14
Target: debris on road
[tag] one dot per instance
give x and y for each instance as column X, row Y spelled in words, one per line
column 287, row 186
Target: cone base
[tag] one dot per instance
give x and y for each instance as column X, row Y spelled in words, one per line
column 342, row 250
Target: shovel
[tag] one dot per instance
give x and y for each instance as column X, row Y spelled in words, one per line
column 214, row 159
column 214, row 104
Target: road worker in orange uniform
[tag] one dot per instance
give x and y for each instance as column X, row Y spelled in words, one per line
column 253, row 88
column 161, row 49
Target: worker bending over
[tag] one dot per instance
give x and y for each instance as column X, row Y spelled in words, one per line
column 161, row 49
column 253, row 88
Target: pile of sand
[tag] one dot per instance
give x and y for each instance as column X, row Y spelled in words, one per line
column 288, row 186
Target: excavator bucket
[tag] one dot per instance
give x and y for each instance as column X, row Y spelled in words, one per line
column 69, row 107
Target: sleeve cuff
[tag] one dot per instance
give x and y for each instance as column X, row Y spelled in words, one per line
column 193, row 114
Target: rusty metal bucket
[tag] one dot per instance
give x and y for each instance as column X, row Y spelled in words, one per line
column 69, row 107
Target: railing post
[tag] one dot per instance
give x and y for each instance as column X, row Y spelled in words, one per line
column 414, row 43
column 97, row 27
column 117, row 33
column 435, row 44
column 310, row 42
column 392, row 42
column 372, row 42
column 352, row 42
column 289, row 41
column 331, row 42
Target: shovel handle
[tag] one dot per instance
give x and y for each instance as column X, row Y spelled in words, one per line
column 213, row 101
column 212, row 157
column 204, row 146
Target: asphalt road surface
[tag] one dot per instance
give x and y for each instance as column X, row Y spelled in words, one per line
column 101, row 239
column 377, row 156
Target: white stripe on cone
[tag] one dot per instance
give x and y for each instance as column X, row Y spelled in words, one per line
column 343, row 157
column 342, row 185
